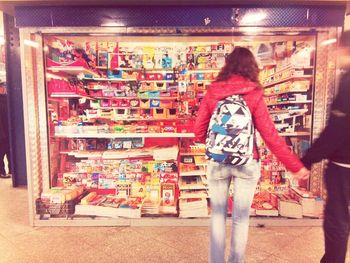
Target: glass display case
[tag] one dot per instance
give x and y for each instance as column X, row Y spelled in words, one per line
column 121, row 112
column 110, row 120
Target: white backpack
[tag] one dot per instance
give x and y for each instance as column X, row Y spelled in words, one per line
column 230, row 135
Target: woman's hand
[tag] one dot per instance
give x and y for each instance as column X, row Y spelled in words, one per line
column 302, row 174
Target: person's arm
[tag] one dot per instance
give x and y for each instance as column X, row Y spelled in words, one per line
column 202, row 120
column 330, row 139
column 274, row 142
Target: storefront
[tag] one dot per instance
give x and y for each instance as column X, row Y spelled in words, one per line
column 111, row 94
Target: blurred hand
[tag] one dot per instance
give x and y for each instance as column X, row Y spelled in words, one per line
column 302, row 174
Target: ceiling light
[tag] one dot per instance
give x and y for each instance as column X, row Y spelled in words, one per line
column 253, row 18
column 113, row 24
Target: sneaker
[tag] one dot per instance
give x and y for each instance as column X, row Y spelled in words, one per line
column 4, row 176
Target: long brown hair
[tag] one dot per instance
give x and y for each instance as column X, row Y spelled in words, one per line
column 240, row 61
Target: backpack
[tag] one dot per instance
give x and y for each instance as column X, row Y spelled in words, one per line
column 230, row 135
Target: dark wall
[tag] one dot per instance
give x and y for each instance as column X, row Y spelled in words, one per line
column 15, row 102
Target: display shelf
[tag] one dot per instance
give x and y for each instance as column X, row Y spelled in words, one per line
column 287, row 111
column 288, row 68
column 70, row 95
column 72, row 70
column 193, row 173
column 290, row 134
column 142, row 69
column 192, row 154
column 124, row 80
column 109, row 79
column 151, row 119
column 127, row 69
column 201, row 70
column 125, row 135
column 289, row 102
column 193, row 195
column 192, row 187
column 199, row 81
column 83, row 154
column 284, row 92
column 136, row 98
column 159, row 81
column 287, row 79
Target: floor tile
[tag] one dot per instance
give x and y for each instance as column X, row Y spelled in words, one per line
column 54, row 245
column 255, row 255
column 191, row 241
column 270, row 239
column 274, row 259
column 301, row 251
column 10, row 253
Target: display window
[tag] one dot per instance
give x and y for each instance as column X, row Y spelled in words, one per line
column 121, row 111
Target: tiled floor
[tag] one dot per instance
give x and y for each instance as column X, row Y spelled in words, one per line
column 21, row 243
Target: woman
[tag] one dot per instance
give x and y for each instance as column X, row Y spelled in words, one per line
column 239, row 76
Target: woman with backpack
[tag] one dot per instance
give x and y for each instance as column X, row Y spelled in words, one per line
column 228, row 115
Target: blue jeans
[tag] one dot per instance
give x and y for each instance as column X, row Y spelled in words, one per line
column 245, row 179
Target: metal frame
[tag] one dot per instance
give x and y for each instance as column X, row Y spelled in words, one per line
column 35, row 119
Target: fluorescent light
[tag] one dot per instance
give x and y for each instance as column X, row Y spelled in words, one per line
column 102, row 34
column 251, row 30
column 2, row 40
column 31, row 43
column 253, row 18
column 291, row 33
column 113, row 24
column 328, row 42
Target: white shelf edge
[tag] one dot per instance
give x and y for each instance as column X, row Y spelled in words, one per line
column 287, row 134
column 267, row 85
column 289, row 102
column 284, row 92
column 193, row 173
column 125, row 135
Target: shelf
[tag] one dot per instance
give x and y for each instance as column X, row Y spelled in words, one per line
column 193, row 195
column 136, row 98
column 107, row 79
column 193, row 187
column 193, row 173
column 201, row 70
column 289, row 102
column 108, row 155
column 287, row 79
column 287, row 111
column 290, row 134
column 125, row 135
column 72, row 95
column 289, row 67
column 284, row 92
column 84, row 154
column 122, row 80
column 159, row 81
column 142, row 69
column 72, row 70
column 192, row 154
column 152, row 119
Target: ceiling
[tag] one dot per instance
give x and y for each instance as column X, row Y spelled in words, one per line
column 9, row 6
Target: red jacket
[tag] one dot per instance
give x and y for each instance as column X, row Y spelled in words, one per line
column 253, row 96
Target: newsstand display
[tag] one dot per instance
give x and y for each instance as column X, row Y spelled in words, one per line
column 120, row 115
column 111, row 95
